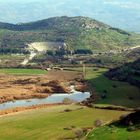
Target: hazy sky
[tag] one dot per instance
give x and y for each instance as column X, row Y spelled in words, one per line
column 119, row 13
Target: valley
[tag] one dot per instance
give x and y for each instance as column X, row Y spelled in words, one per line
column 105, row 92
column 64, row 77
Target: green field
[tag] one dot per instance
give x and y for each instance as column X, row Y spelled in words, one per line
column 113, row 133
column 117, row 93
column 50, row 123
column 15, row 71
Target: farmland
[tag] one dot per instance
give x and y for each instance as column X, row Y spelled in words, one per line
column 15, row 71
column 53, row 123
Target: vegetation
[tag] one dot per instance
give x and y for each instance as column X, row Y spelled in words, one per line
column 112, row 132
column 110, row 91
column 53, row 123
column 128, row 127
column 83, row 51
column 129, row 72
column 82, row 36
column 20, row 71
column 7, row 50
column 76, row 32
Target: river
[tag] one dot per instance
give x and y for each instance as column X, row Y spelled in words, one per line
column 54, row 98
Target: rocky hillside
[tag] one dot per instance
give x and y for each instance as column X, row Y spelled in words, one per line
column 76, row 32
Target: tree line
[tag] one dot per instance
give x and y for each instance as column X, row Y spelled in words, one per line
column 8, row 50
column 66, row 52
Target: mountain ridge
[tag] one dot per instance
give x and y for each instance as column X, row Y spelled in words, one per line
column 52, row 21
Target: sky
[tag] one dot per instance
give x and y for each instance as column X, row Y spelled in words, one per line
column 123, row 14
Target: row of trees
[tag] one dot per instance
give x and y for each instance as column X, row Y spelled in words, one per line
column 10, row 50
column 13, row 51
column 64, row 52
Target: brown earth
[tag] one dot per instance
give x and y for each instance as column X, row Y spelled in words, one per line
column 27, row 87
column 64, row 75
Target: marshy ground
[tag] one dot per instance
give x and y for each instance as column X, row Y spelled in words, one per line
column 16, row 87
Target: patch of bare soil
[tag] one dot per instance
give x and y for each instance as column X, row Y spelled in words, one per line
column 27, row 87
column 64, row 75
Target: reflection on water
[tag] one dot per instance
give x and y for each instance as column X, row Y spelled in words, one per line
column 55, row 98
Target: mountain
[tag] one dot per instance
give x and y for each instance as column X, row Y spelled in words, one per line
column 56, row 23
column 76, row 32
column 117, row 13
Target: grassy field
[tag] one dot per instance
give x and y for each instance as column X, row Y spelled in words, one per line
column 15, row 71
column 113, row 133
column 49, row 123
column 117, row 93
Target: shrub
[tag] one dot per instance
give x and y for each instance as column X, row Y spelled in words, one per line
column 114, row 86
column 79, row 133
column 131, row 128
column 67, row 110
column 97, row 123
column 103, row 96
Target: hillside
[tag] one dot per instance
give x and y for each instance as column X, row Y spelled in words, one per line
column 126, row 128
column 76, row 32
column 129, row 72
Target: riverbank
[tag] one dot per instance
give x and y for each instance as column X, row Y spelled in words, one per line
column 26, row 87
column 13, row 111
column 17, row 87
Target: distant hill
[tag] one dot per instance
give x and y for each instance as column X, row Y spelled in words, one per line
column 59, row 23
column 117, row 13
column 76, row 32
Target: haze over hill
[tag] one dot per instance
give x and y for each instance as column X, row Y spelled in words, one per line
column 117, row 13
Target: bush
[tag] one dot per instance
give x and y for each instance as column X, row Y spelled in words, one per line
column 114, row 86
column 79, row 133
column 67, row 110
column 131, row 128
column 97, row 123
column 105, row 91
column 103, row 96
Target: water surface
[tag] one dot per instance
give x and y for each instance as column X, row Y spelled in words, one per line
column 55, row 98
